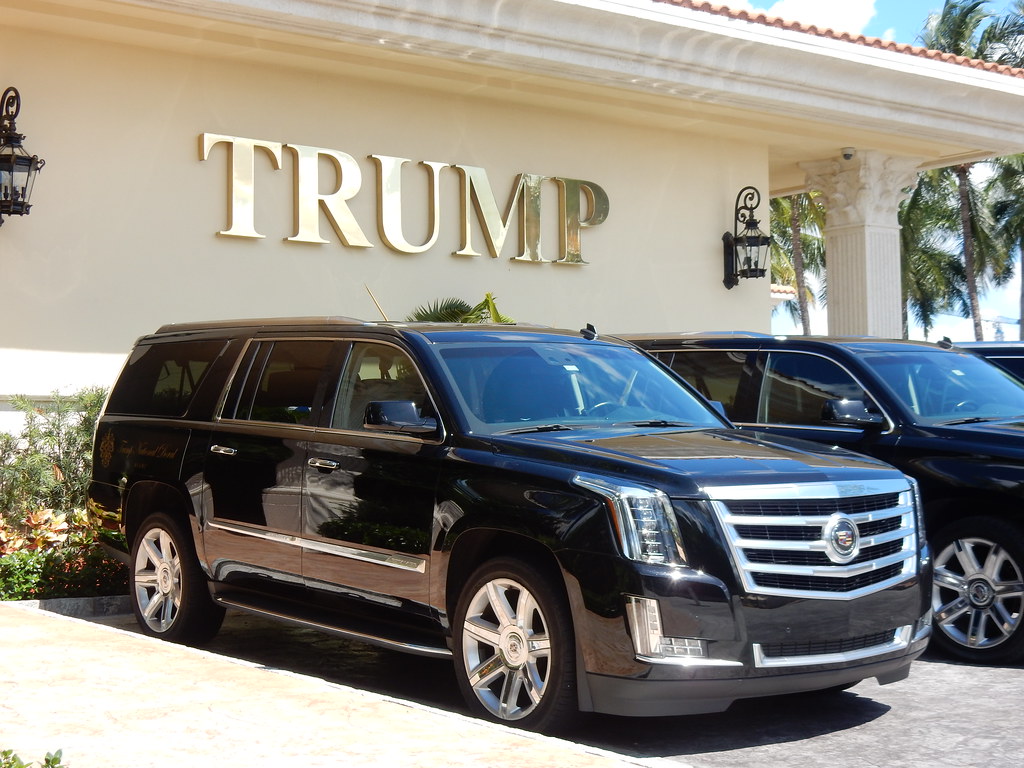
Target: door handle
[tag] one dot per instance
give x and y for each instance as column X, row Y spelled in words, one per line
column 323, row 463
column 223, row 450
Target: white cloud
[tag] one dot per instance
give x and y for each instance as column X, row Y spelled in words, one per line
column 841, row 15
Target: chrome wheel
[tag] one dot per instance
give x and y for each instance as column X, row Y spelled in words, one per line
column 157, row 580
column 978, row 594
column 170, row 593
column 506, row 649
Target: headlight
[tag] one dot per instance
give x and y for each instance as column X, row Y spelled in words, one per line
column 644, row 520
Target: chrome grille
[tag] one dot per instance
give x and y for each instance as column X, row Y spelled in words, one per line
column 834, row 541
column 849, row 506
column 819, row 558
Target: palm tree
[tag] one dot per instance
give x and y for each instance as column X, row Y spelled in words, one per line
column 965, row 28
column 455, row 310
column 932, row 271
column 1006, row 186
column 798, row 247
column 1006, row 189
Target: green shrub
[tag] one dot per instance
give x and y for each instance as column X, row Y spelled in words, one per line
column 66, row 572
column 47, row 548
column 10, row 760
column 48, row 465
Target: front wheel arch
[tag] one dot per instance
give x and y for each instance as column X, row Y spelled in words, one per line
column 474, row 547
column 948, row 507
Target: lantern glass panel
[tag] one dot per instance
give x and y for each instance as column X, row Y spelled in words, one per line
column 17, row 177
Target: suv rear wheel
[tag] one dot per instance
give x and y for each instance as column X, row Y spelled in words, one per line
column 514, row 648
column 978, row 592
column 168, row 589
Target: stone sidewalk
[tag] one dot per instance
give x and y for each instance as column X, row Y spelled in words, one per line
column 115, row 699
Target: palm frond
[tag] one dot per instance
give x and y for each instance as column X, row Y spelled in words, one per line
column 450, row 310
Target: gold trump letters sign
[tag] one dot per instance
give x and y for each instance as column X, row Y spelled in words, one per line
column 475, row 195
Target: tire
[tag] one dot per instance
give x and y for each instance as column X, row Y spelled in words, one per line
column 978, row 592
column 515, row 651
column 168, row 589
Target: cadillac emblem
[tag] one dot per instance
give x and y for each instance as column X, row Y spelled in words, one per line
column 842, row 540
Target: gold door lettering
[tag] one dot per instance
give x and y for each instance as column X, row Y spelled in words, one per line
column 476, row 198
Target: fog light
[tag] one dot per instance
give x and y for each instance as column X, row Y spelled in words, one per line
column 650, row 644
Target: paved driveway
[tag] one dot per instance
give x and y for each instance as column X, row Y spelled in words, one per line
column 115, row 699
column 945, row 714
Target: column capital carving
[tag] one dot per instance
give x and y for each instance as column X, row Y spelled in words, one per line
column 866, row 189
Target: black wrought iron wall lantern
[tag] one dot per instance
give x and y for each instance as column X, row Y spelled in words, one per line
column 746, row 248
column 18, row 168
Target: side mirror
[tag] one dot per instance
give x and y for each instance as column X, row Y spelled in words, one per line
column 849, row 413
column 398, row 416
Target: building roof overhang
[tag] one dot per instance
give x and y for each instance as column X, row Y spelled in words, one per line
column 666, row 63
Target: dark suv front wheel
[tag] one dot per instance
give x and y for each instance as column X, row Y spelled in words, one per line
column 168, row 589
column 514, row 648
column 978, row 592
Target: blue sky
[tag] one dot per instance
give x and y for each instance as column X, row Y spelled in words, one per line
column 899, row 20
column 902, row 21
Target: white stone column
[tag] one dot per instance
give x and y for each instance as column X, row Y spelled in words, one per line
column 862, row 240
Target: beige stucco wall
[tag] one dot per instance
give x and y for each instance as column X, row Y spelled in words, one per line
column 123, row 232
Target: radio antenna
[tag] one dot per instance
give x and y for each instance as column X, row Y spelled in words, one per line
column 376, row 303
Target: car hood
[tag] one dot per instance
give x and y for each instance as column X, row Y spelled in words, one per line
column 689, row 460
column 1004, row 438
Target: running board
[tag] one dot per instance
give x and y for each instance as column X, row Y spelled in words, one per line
column 407, row 647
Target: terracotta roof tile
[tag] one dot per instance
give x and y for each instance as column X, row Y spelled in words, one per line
column 870, row 42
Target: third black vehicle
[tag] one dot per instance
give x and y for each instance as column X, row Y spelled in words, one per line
column 1008, row 355
column 946, row 417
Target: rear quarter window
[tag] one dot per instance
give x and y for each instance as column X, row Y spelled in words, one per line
column 162, row 379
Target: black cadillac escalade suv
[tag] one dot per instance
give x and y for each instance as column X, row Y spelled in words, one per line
column 946, row 417
column 557, row 512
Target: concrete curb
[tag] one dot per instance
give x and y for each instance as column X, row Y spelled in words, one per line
column 81, row 607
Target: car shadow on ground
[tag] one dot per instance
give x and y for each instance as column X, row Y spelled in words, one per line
column 273, row 645
column 431, row 682
column 747, row 723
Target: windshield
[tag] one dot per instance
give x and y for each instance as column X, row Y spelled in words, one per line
column 942, row 386
column 527, row 386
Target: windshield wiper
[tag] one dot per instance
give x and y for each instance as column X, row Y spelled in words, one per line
column 653, row 423
column 535, row 428
column 969, row 420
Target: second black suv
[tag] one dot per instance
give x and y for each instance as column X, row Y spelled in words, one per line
column 946, row 417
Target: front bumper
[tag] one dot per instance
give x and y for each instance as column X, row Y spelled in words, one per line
column 719, row 647
column 643, row 697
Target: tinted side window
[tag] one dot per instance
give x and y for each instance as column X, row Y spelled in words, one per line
column 160, row 379
column 374, row 373
column 284, row 381
column 716, row 375
column 797, row 385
